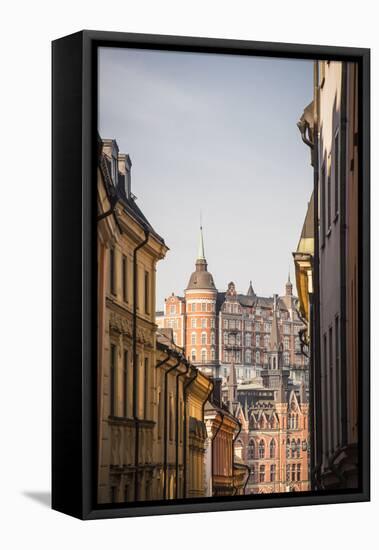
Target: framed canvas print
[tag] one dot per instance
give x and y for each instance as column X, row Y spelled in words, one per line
column 211, row 284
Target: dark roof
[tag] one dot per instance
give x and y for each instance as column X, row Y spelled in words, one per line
column 201, row 278
column 118, row 193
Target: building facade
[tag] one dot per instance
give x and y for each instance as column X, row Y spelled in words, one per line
column 223, row 328
column 329, row 126
column 274, row 439
column 153, row 441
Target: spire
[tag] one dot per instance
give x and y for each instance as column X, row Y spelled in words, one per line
column 274, row 336
column 250, row 290
column 289, row 285
column 201, row 253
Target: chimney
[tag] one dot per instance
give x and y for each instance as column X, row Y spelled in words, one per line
column 124, row 167
column 216, row 396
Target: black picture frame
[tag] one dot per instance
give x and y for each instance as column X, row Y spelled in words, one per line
column 74, row 131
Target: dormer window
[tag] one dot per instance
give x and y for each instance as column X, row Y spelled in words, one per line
column 114, row 170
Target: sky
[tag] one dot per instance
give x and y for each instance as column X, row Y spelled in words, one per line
column 213, row 134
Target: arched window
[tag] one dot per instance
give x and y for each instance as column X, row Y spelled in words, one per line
column 203, row 338
column 261, row 473
column 261, row 449
column 293, row 448
column 272, row 472
column 193, row 338
column 298, row 472
column 251, row 450
column 272, row 448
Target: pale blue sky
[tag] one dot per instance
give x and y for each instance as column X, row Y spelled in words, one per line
column 214, row 133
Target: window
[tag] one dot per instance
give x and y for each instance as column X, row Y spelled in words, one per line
column 329, row 205
column 160, row 415
column 272, row 448
column 225, row 323
column 337, row 367
column 124, row 279
column 193, row 338
column 193, row 322
column 225, row 337
column 172, row 310
column 272, row 472
column 212, row 338
column 253, row 474
column 213, row 354
column 203, row 356
column 193, row 307
column 147, row 292
column 146, row 388
column 212, row 323
column 293, row 472
column 323, row 206
column 125, row 384
column 261, row 473
column 257, row 340
column 257, row 358
column 298, row 448
column 112, row 380
column 203, row 338
column 203, row 306
column 251, row 450
column 293, row 449
column 248, row 340
column 266, row 341
column 112, row 274
column 203, row 323
column 336, row 173
column 287, row 472
column 288, row 447
column 298, row 472
column 193, row 355
column 331, row 383
column 261, row 449
column 257, row 326
column 286, row 343
column 171, row 419
column 286, row 357
column 248, row 356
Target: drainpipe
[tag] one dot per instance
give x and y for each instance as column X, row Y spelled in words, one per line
column 135, row 366
column 233, row 442
column 213, row 440
column 185, row 434
column 165, row 437
column 187, row 366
